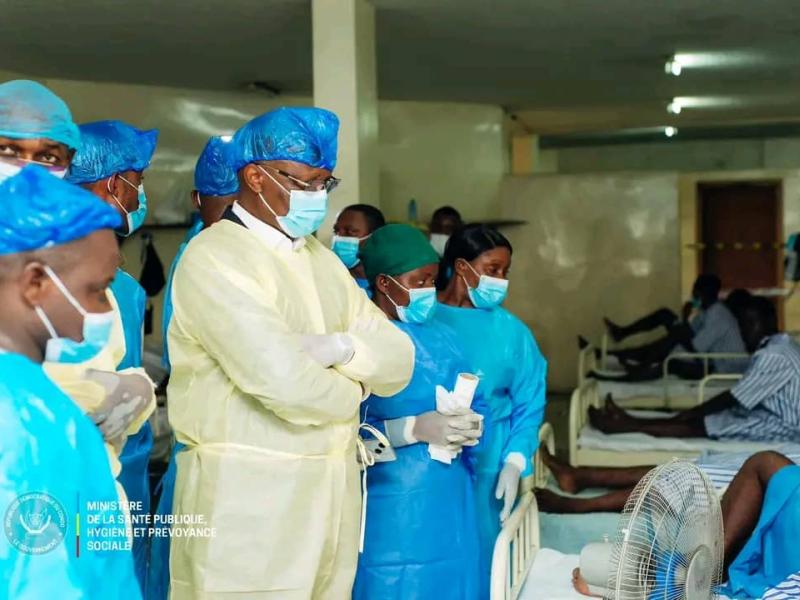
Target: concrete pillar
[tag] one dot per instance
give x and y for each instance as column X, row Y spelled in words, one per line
column 527, row 158
column 345, row 82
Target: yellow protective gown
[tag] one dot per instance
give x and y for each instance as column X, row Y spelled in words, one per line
column 88, row 395
column 270, row 461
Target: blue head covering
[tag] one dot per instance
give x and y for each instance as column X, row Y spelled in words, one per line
column 29, row 111
column 38, row 210
column 304, row 135
column 110, row 147
column 213, row 174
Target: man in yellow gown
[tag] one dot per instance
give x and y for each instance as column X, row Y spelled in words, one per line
column 273, row 347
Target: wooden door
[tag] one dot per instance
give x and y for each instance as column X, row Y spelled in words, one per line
column 741, row 233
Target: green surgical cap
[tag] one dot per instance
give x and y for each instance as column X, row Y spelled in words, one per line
column 394, row 250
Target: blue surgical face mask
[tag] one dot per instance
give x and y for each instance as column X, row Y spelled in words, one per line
column 421, row 304
column 307, row 210
column 96, row 331
column 491, row 291
column 135, row 219
column 346, row 248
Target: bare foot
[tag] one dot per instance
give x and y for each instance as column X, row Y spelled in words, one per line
column 549, row 501
column 609, row 421
column 580, row 585
column 565, row 474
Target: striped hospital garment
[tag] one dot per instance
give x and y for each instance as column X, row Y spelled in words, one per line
column 722, row 471
column 790, row 588
column 768, row 397
column 717, row 330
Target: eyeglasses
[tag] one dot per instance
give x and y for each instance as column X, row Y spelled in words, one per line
column 328, row 184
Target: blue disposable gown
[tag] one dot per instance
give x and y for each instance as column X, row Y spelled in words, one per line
column 166, row 316
column 48, row 446
column 421, row 535
column 771, row 554
column 364, row 285
column 158, row 576
column 502, row 352
column 135, row 455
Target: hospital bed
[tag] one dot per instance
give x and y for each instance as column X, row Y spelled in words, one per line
column 668, row 392
column 590, row 447
column 523, row 568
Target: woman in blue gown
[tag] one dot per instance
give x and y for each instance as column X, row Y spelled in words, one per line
column 421, row 535
column 473, row 281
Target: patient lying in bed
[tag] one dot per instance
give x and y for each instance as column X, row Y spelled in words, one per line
column 713, row 328
column 760, row 514
column 764, row 406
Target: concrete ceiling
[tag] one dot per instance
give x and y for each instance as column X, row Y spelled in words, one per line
column 560, row 65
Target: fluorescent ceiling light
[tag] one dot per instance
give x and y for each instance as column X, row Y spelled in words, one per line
column 674, row 107
column 670, row 131
column 673, row 66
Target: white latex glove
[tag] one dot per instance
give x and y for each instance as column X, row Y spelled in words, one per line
column 449, row 431
column 328, row 349
column 508, row 487
column 127, row 395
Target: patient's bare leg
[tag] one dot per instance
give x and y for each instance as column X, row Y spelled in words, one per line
column 742, row 501
column 574, row 479
column 612, row 419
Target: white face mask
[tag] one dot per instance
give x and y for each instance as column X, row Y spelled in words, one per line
column 439, row 241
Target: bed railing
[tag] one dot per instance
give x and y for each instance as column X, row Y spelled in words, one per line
column 706, row 357
column 515, row 550
column 541, row 473
column 701, row 392
column 584, row 396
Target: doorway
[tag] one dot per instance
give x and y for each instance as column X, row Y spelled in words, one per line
column 740, row 228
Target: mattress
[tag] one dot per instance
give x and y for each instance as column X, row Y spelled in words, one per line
column 550, row 578
column 593, row 439
column 671, row 387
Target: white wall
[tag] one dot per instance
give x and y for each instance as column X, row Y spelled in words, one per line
column 676, row 155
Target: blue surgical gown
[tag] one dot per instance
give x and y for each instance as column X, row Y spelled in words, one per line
column 48, row 446
column 502, row 352
column 364, row 285
column 135, row 457
column 158, row 577
column 771, row 554
column 166, row 315
column 421, row 534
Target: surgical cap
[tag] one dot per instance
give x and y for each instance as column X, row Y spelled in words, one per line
column 394, row 250
column 304, row 135
column 213, row 174
column 38, row 210
column 30, row 111
column 110, row 147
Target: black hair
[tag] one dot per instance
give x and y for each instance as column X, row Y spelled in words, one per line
column 373, row 215
column 446, row 211
column 708, row 286
column 737, row 300
column 468, row 243
column 764, row 309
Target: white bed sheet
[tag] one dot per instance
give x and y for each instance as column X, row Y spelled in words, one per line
column 594, row 439
column 550, row 577
column 672, row 388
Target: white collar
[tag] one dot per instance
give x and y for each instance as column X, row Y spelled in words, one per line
column 268, row 234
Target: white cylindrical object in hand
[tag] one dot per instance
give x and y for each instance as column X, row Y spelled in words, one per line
column 466, row 384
